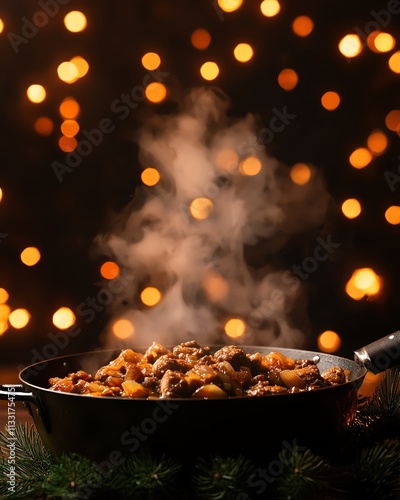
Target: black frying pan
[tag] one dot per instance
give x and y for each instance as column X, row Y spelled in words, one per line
column 107, row 428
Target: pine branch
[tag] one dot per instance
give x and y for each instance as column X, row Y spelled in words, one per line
column 31, row 455
column 222, row 477
column 72, row 477
column 304, row 474
column 378, row 418
column 376, row 471
column 142, row 476
column 25, row 459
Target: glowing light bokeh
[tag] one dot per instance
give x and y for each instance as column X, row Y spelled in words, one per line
column 302, row 26
column 392, row 215
column 69, row 108
column 360, row 158
column 123, row 328
column 200, row 39
column 382, row 42
column 300, row 173
column 19, row 318
column 109, row 270
column 150, row 176
column 67, row 144
column 209, row 70
column 30, row 256
column 63, row 318
column 392, row 120
column 67, row 72
column 394, row 62
column 36, row 93
column 329, row 341
column 4, row 315
column 156, row 92
column 1, row 25
column 229, row 5
column 250, row 166
column 81, row 65
column 330, row 100
column 3, row 296
column 350, row 46
column 363, row 282
column 243, row 52
column 215, row 286
column 270, row 8
column 377, row 142
column 44, row 125
column 150, row 296
column 151, row 61
column 351, row 208
column 201, row 208
column 385, row 42
column 75, row 21
column 288, row 79
column 235, row 328
column 69, row 128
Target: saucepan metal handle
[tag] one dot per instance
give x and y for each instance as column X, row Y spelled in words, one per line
column 381, row 354
column 16, row 392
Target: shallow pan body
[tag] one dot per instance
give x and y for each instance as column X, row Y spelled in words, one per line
column 107, row 428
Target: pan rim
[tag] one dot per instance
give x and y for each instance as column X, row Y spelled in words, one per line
column 356, row 381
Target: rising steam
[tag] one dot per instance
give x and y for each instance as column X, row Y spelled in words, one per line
column 193, row 235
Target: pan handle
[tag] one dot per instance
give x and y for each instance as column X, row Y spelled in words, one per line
column 381, row 354
column 15, row 392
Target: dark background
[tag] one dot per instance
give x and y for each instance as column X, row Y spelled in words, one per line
column 63, row 218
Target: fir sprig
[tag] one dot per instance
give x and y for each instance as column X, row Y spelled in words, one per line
column 32, row 456
column 72, row 477
column 376, row 471
column 222, row 477
column 378, row 417
column 142, row 476
column 304, row 474
column 31, row 462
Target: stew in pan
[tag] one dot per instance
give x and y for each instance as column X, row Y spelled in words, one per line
column 191, row 371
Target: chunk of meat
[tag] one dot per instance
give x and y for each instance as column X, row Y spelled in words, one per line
column 174, row 385
column 262, row 388
column 234, row 355
column 190, row 351
column 309, row 373
column 61, row 384
column 335, row 375
column 167, row 362
column 155, row 351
